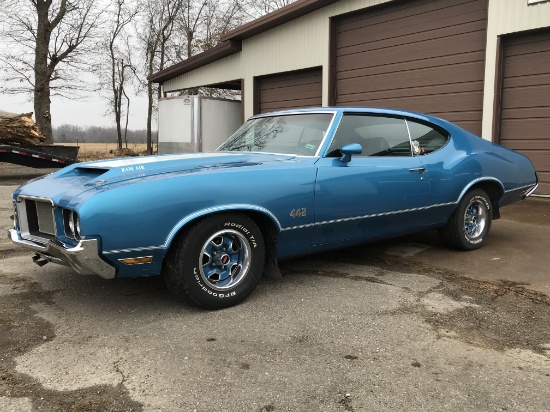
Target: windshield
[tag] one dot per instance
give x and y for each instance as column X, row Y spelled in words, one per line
column 299, row 134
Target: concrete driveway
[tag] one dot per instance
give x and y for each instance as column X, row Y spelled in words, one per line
column 399, row 325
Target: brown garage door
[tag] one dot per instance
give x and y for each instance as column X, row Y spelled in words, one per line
column 288, row 90
column 525, row 108
column 423, row 55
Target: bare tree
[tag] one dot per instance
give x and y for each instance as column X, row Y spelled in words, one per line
column 47, row 39
column 187, row 23
column 156, row 29
column 200, row 27
column 220, row 17
column 120, row 67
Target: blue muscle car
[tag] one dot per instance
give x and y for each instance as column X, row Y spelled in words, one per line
column 285, row 184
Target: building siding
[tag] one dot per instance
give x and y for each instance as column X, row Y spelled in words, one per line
column 304, row 43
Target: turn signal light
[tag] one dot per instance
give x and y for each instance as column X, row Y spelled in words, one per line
column 137, row 261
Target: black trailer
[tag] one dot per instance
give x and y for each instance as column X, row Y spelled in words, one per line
column 39, row 156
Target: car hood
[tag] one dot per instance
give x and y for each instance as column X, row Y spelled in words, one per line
column 101, row 175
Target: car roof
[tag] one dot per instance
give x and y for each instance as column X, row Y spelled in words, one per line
column 354, row 109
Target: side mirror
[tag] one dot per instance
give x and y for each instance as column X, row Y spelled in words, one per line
column 350, row 149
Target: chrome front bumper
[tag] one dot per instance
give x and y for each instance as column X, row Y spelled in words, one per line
column 83, row 258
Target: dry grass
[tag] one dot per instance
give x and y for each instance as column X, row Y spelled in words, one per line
column 97, row 151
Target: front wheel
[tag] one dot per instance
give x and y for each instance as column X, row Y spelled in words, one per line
column 216, row 262
column 469, row 225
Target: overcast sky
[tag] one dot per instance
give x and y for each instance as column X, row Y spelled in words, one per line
column 87, row 112
column 92, row 110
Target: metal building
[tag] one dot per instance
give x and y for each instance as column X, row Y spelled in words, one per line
column 484, row 64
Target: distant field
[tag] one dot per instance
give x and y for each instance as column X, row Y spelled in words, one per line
column 95, row 151
column 105, row 147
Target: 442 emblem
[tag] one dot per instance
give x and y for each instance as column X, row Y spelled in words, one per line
column 298, row 212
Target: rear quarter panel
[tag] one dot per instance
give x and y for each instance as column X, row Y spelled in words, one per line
column 468, row 159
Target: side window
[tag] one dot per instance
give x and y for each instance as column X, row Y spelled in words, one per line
column 425, row 138
column 377, row 135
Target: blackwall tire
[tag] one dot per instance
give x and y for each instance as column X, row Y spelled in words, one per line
column 470, row 223
column 216, row 262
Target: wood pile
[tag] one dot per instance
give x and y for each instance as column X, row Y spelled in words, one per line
column 19, row 130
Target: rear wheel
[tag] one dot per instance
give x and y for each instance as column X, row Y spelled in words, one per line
column 217, row 262
column 470, row 223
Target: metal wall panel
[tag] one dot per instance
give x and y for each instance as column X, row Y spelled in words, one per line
column 525, row 100
column 423, row 55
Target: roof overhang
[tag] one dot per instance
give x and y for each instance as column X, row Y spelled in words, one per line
column 231, row 42
column 216, row 53
column 283, row 15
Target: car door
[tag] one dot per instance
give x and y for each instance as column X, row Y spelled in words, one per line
column 383, row 191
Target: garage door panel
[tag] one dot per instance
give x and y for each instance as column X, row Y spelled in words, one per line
column 526, row 65
column 431, row 103
column 524, row 114
column 527, row 49
column 409, row 14
column 526, row 96
column 405, row 62
column 435, row 91
column 300, row 92
column 427, row 56
column 534, row 144
column 407, row 40
column 401, row 33
column 289, row 81
column 528, row 80
column 529, row 129
column 289, row 90
column 303, row 88
column 411, row 79
column 443, row 62
column 289, row 104
column 527, row 42
column 525, row 101
column 544, row 185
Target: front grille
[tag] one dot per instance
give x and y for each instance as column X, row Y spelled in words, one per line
column 44, row 214
column 36, row 219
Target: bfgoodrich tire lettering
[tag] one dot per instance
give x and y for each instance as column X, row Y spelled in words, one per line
column 470, row 223
column 216, row 262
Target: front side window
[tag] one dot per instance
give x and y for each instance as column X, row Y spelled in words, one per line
column 299, row 134
column 425, row 138
column 377, row 135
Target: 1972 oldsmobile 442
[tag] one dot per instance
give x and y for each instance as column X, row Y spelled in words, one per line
column 285, row 184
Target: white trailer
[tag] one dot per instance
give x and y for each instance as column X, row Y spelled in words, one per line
column 196, row 123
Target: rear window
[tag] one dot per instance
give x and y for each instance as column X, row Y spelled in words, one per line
column 425, row 138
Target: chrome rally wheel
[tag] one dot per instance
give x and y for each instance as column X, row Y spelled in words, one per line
column 217, row 261
column 469, row 224
column 225, row 259
column 475, row 219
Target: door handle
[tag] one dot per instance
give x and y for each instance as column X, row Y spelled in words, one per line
column 418, row 169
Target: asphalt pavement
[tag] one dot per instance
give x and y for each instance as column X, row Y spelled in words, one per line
column 404, row 324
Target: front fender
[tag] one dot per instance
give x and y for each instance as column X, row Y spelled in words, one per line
column 219, row 209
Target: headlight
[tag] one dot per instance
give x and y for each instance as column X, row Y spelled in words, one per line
column 14, row 215
column 72, row 224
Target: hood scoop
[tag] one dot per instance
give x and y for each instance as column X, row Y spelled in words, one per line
column 91, row 172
